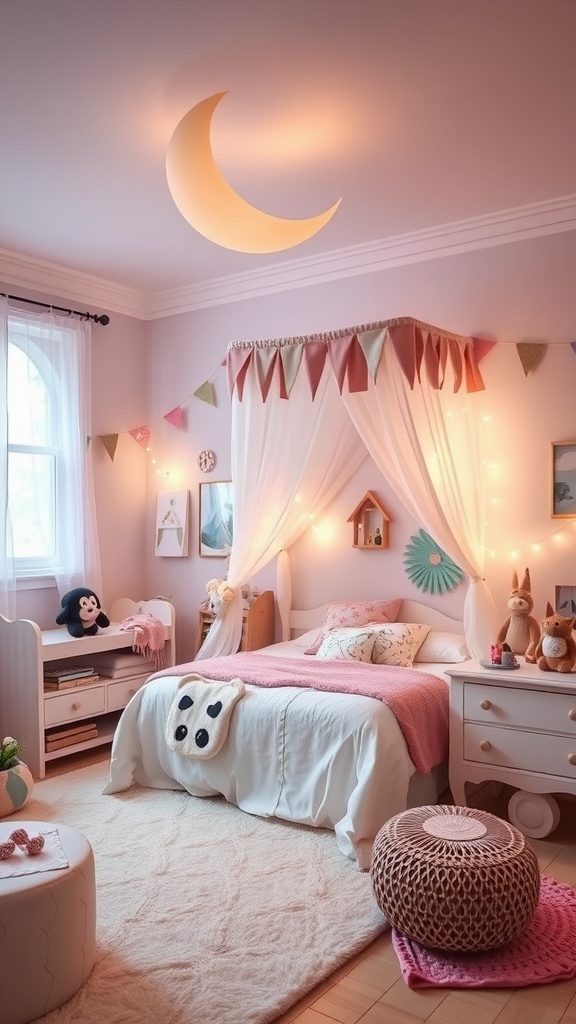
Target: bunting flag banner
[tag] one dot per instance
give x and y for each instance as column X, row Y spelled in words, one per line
column 175, row 417
column 356, row 352
column 531, row 354
column 206, row 393
column 141, row 435
column 110, row 441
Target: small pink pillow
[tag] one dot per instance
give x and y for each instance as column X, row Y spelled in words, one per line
column 343, row 614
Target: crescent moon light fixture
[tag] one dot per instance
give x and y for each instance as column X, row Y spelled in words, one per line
column 211, row 206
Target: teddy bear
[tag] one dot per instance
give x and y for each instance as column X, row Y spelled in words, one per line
column 219, row 595
column 556, row 649
column 81, row 613
column 521, row 631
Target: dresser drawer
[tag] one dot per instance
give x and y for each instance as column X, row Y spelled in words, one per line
column 528, row 709
column 75, row 703
column 526, row 751
column 120, row 693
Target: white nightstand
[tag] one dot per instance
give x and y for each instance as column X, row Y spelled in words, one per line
column 514, row 726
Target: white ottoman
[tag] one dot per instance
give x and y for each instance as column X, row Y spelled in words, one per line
column 47, row 928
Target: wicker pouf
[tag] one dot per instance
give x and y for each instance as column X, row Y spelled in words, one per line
column 454, row 878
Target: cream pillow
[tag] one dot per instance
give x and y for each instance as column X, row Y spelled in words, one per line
column 347, row 645
column 397, row 643
column 443, row 648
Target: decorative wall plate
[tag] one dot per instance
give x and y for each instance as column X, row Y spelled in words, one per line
column 206, row 460
column 428, row 567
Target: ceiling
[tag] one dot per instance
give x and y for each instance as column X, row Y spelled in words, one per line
column 417, row 113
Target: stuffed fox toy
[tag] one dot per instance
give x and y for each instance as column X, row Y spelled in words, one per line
column 521, row 631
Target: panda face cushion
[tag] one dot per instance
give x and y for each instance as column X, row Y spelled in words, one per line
column 200, row 714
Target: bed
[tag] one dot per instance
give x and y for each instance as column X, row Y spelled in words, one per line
column 337, row 760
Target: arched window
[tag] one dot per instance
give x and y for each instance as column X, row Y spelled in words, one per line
column 48, row 520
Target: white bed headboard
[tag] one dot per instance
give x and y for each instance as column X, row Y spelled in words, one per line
column 410, row 611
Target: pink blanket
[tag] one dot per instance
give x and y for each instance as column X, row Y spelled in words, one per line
column 419, row 700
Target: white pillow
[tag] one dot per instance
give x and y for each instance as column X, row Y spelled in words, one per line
column 397, row 643
column 443, row 648
column 347, row 645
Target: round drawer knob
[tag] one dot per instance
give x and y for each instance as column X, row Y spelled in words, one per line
column 76, row 705
column 485, row 705
column 485, row 745
column 572, row 715
column 571, row 758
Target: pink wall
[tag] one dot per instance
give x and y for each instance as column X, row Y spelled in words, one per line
column 511, row 293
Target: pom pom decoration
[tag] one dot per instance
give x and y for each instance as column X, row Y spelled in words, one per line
column 428, row 567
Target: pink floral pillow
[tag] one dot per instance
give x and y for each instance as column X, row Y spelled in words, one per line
column 343, row 614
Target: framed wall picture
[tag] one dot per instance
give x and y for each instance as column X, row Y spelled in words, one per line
column 563, row 479
column 215, row 519
column 565, row 602
column 172, row 524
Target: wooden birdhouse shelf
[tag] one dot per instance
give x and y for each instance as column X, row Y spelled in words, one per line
column 371, row 524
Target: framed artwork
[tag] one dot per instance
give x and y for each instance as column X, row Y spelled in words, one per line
column 172, row 524
column 215, row 519
column 565, row 602
column 563, row 479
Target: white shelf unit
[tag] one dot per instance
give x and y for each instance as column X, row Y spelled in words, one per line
column 27, row 710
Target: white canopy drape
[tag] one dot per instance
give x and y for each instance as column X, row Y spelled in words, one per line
column 407, row 393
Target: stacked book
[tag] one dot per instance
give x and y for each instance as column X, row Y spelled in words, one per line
column 68, row 735
column 121, row 664
column 64, row 677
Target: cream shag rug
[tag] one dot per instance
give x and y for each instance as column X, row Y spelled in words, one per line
column 206, row 915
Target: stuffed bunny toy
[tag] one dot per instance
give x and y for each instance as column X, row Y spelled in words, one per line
column 521, row 631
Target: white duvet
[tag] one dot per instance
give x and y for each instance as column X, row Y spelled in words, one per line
column 330, row 760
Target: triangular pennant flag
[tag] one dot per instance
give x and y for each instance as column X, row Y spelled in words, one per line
column 474, row 380
column 291, row 357
column 141, row 435
column 531, row 354
column 206, row 393
column 315, row 353
column 339, row 350
column 432, row 346
column 265, row 361
column 110, row 441
column 456, row 362
column 175, row 417
column 573, row 346
column 372, row 343
column 482, row 347
column 409, row 347
column 237, row 362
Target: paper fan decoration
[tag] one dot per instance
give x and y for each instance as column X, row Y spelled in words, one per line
column 428, row 567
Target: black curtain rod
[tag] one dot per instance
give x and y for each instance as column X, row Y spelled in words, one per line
column 98, row 318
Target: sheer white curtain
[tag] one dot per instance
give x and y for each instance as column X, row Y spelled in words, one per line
column 57, row 355
column 428, row 444
column 289, row 460
column 7, row 578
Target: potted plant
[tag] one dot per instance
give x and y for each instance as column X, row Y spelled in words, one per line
column 16, row 781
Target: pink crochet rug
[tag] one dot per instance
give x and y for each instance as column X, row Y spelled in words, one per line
column 544, row 952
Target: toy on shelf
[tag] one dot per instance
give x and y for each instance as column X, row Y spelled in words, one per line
column 82, row 613
column 521, row 631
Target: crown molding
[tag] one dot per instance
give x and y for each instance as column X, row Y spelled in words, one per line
column 504, row 226
column 513, row 225
column 25, row 272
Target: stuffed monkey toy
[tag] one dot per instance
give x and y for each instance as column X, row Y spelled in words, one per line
column 521, row 631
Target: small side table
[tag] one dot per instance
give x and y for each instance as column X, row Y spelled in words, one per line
column 47, row 928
